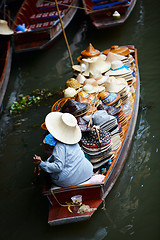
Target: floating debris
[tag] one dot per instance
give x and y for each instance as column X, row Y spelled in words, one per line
column 24, row 102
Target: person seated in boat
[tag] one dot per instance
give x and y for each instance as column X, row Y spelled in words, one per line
column 67, row 164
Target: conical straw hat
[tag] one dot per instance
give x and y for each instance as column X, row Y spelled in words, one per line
column 113, row 57
column 119, row 50
column 90, row 52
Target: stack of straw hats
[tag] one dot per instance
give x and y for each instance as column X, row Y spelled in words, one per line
column 91, row 61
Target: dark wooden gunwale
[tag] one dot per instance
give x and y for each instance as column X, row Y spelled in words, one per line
column 101, row 23
column 7, row 60
column 48, row 35
column 97, row 192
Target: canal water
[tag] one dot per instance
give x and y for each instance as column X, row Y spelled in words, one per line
column 133, row 206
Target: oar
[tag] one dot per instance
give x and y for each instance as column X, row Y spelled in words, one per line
column 64, row 33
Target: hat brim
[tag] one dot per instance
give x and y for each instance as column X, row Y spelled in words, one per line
column 100, row 66
column 119, row 72
column 61, row 131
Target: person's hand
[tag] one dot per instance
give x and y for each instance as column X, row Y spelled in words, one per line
column 37, row 159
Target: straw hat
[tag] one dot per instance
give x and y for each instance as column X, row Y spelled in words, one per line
column 92, row 65
column 119, row 50
column 4, row 29
column 118, row 68
column 92, row 89
column 91, row 86
column 73, row 83
column 114, row 56
column 81, row 67
column 69, row 92
column 99, row 77
column 63, row 127
column 80, row 78
column 109, row 98
column 99, row 65
column 90, row 52
column 113, row 84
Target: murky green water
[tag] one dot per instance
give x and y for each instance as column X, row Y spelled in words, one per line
column 133, row 206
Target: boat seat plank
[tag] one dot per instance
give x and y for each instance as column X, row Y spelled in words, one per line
column 108, row 5
column 50, row 6
column 46, row 16
column 43, row 25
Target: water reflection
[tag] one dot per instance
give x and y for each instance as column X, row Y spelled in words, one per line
column 74, row 48
column 125, row 199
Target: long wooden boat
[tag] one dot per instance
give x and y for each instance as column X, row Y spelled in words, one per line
column 37, row 24
column 5, row 57
column 94, row 194
column 108, row 13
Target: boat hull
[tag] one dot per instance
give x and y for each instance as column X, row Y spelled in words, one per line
column 5, row 65
column 103, row 18
column 41, row 38
column 94, row 194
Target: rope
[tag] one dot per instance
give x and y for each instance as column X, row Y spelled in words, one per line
column 68, row 205
column 94, row 104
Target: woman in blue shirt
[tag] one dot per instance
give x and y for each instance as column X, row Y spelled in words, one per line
column 67, row 165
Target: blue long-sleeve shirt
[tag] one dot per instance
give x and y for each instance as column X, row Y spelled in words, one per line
column 67, row 165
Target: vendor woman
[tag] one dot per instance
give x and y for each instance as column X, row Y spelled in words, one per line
column 67, row 165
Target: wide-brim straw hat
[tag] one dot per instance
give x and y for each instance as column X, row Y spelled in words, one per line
column 118, row 68
column 92, row 65
column 99, row 65
column 89, row 88
column 63, row 127
column 4, row 29
column 116, row 85
column 70, row 92
column 99, row 77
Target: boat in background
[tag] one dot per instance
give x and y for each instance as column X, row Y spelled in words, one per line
column 5, row 54
column 62, row 210
column 37, row 24
column 108, row 13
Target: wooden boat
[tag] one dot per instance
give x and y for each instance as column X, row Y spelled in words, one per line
column 5, row 57
column 94, row 194
column 39, row 23
column 108, row 13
